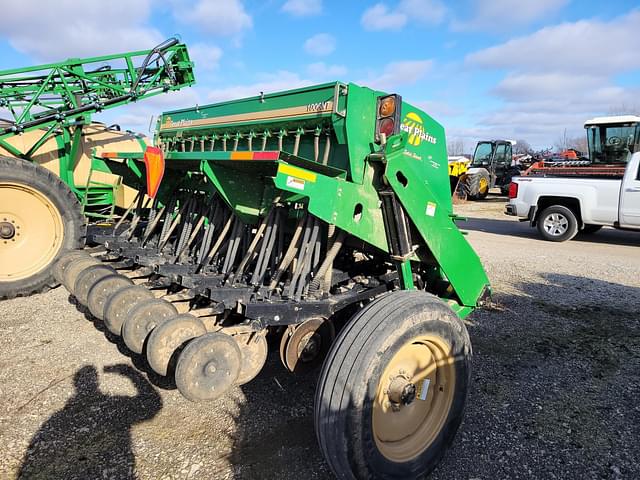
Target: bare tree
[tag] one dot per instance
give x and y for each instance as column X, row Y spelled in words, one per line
column 455, row 147
column 578, row 143
column 522, row 147
column 625, row 108
column 562, row 142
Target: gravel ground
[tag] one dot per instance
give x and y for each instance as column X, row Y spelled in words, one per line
column 554, row 391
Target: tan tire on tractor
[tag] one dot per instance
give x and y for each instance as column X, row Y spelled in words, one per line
column 393, row 388
column 40, row 218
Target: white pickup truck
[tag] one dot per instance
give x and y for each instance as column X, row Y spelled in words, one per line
column 561, row 206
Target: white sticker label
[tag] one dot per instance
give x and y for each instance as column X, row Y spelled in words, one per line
column 297, row 183
column 424, row 389
column 431, row 209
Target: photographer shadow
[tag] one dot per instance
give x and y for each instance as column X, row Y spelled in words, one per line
column 91, row 436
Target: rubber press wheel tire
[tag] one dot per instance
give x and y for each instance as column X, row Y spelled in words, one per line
column 393, row 388
column 63, row 262
column 557, row 223
column 40, row 218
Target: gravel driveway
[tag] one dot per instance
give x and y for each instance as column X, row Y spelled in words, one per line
column 555, row 387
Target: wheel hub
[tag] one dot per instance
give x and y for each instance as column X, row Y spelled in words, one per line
column 309, row 346
column 210, row 369
column 401, row 392
column 7, row 230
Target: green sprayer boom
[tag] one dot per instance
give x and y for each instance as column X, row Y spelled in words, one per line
column 47, row 137
column 61, row 94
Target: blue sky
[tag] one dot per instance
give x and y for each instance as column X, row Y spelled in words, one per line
column 483, row 68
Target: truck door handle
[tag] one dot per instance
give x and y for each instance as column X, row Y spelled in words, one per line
column 632, row 189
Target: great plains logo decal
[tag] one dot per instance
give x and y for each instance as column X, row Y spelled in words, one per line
column 413, row 125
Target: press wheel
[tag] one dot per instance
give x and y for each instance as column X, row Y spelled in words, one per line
column 87, row 278
column 208, row 366
column 142, row 319
column 102, row 290
column 63, row 262
column 119, row 305
column 168, row 337
column 254, row 349
column 74, row 269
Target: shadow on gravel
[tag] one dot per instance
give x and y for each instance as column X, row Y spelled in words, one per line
column 274, row 436
column 556, row 377
column 555, row 384
column 91, row 436
column 606, row 236
column 138, row 360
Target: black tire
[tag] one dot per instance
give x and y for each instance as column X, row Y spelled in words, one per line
column 63, row 200
column 557, row 223
column 349, row 382
column 473, row 182
column 590, row 228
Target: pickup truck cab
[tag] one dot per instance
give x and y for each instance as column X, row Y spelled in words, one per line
column 561, row 202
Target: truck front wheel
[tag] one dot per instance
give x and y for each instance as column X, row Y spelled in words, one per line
column 557, row 223
column 393, row 388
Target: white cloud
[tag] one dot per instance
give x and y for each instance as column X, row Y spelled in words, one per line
column 559, row 76
column 508, row 13
column 400, row 73
column 583, row 46
column 431, row 12
column 438, row 109
column 214, row 17
column 267, row 83
column 321, row 70
column 141, row 116
column 320, row 45
column 553, row 85
column 87, row 29
column 303, row 8
column 205, row 57
column 379, row 17
column 382, row 17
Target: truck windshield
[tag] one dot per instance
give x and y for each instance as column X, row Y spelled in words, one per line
column 483, row 153
column 613, row 143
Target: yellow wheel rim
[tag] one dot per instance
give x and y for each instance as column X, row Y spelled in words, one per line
column 413, row 398
column 484, row 185
column 31, row 231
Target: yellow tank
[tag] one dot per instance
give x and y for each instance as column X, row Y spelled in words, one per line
column 94, row 136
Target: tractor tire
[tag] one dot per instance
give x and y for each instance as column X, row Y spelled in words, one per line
column 40, row 218
column 476, row 185
column 590, row 228
column 393, row 388
column 557, row 223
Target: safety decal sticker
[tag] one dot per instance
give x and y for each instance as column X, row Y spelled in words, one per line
column 431, row 209
column 297, row 183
